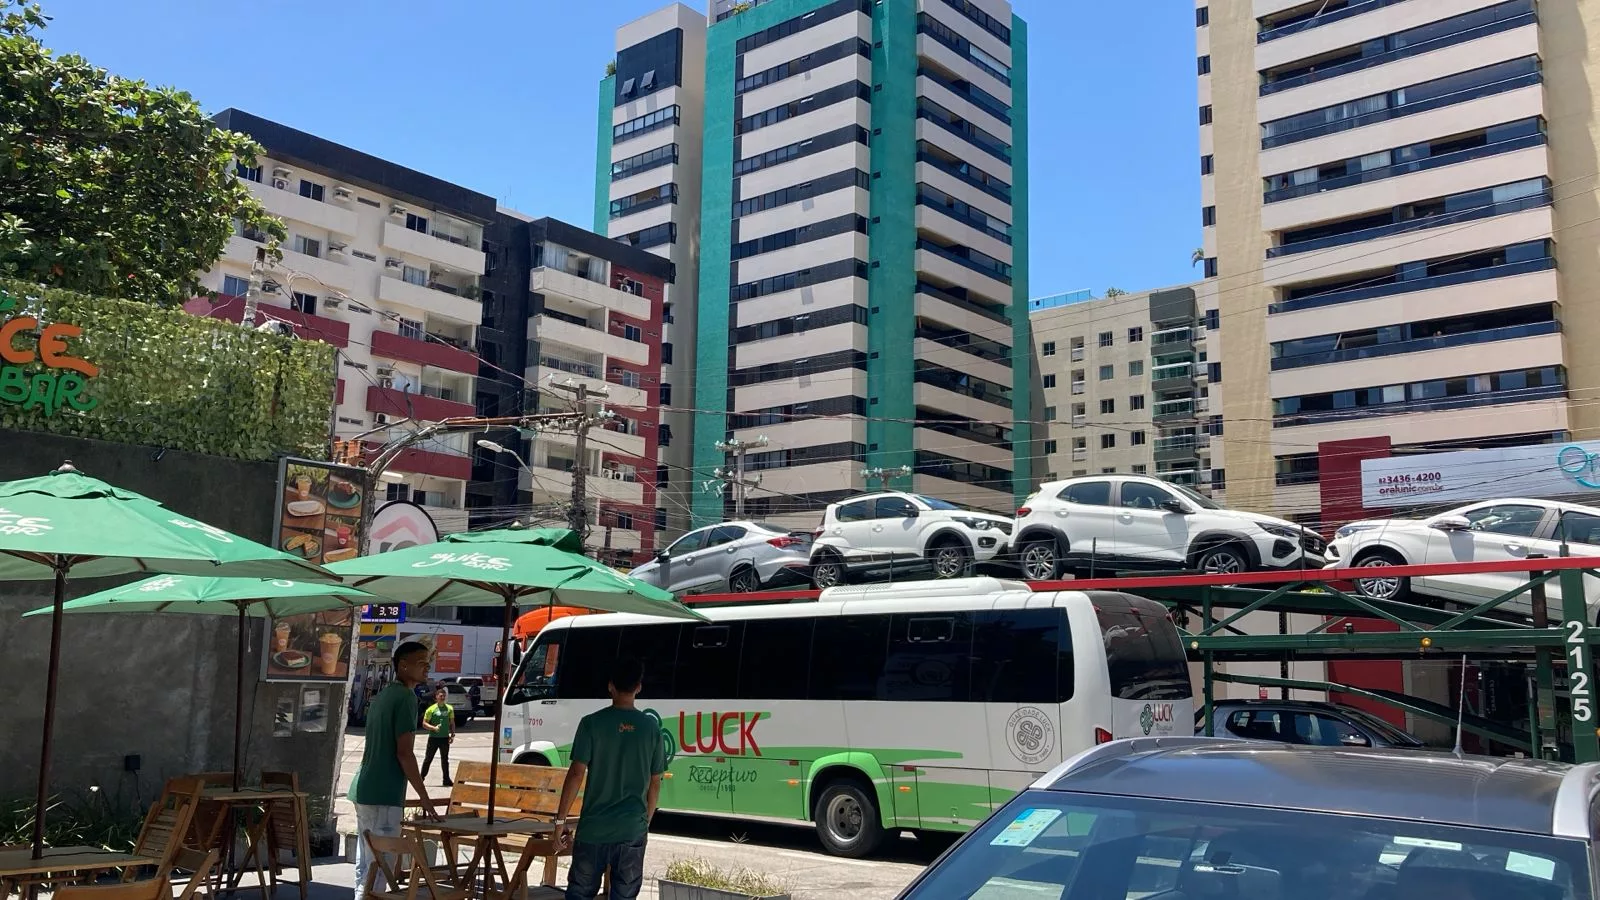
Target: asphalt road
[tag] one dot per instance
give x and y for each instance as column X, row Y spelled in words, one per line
column 790, row 854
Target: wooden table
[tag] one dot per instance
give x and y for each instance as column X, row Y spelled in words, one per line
column 231, row 802
column 486, row 851
column 60, row 864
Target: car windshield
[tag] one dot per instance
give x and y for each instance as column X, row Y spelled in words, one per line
column 936, row 503
column 1192, row 497
column 1385, row 730
column 1065, row 846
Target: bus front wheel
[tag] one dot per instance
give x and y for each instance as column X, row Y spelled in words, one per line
column 847, row 820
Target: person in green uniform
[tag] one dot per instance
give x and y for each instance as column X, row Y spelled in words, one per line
column 440, row 721
column 617, row 760
column 389, row 761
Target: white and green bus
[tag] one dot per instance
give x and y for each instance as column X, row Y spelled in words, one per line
column 873, row 709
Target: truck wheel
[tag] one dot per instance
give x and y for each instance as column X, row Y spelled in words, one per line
column 847, row 820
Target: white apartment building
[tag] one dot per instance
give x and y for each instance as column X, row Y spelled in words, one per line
column 1399, row 222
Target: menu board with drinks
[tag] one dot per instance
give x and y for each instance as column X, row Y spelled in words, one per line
column 318, row 517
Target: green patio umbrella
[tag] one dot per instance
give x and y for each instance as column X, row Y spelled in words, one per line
column 67, row 523
column 202, row 595
column 502, row 568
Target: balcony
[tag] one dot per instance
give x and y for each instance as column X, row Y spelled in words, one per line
column 1179, row 448
column 432, row 463
column 306, row 327
column 289, row 205
column 1172, row 378
column 1172, row 410
column 390, row 345
column 321, row 273
column 433, row 299
column 545, row 280
column 548, row 327
column 555, row 485
column 439, row 249
column 606, row 439
column 394, row 403
column 1172, row 340
column 1077, row 354
column 1079, row 387
column 1080, row 454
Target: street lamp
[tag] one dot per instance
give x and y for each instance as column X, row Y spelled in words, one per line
column 493, row 447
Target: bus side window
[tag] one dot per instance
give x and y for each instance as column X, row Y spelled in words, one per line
column 774, row 662
column 708, row 660
column 656, row 647
column 586, row 663
column 848, row 656
column 928, row 660
column 1021, row 656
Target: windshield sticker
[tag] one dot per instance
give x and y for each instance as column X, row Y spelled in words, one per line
column 1025, row 828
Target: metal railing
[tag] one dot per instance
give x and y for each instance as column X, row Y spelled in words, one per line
column 1405, row 168
column 1417, row 345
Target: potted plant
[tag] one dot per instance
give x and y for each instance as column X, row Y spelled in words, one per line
column 698, row 879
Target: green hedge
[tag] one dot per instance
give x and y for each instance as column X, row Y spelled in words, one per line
column 167, row 379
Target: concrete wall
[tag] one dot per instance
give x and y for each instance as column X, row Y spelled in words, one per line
column 160, row 686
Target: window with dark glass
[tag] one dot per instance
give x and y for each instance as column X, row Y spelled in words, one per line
column 775, row 659
column 848, row 655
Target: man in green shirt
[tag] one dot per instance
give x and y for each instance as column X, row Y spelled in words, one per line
column 389, row 760
column 617, row 759
column 439, row 720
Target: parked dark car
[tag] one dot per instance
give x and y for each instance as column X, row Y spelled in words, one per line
column 1302, row 722
column 1182, row 818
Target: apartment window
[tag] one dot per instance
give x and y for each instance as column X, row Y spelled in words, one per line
column 1105, row 338
column 1135, row 334
column 248, row 173
column 417, row 223
column 663, row 476
column 632, row 333
column 666, row 313
column 1136, row 439
column 1214, row 372
column 1107, row 372
column 1049, row 413
column 1205, row 114
column 666, row 393
column 1108, row 441
column 1136, row 401
column 1140, row 468
column 1213, row 319
column 1207, row 164
column 1300, row 468
column 1208, row 216
column 234, row 286
column 1108, row 406
column 1202, row 16
column 1048, row 348
column 303, row 303
column 1049, row 446
column 631, row 379
column 1108, row 470
column 410, row 328
column 664, row 434
column 661, row 118
column 1135, row 368
column 1211, row 267
column 1214, row 426
column 666, row 353
column 307, row 246
column 1050, row 380
column 1205, row 65
column 414, row 275
column 1219, row 479
column 311, row 189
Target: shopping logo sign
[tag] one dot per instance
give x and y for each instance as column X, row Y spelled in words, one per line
column 26, row 526
column 36, row 369
column 713, row 730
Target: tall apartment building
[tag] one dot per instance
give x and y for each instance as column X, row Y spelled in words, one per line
column 862, row 249
column 647, row 194
column 1125, row 385
column 442, row 304
column 1399, row 215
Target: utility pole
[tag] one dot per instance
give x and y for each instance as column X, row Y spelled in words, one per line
column 252, row 294
column 578, row 515
column 741, row 483
column 883, row 475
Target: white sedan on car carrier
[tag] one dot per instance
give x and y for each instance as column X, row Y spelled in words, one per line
column 1492, row 530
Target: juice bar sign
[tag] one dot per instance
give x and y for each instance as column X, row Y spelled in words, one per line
column 37, row 369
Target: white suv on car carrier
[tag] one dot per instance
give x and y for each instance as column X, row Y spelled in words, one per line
column 897, row 531
column 1138, row 522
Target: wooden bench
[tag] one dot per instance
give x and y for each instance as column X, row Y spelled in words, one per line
column 522, row 792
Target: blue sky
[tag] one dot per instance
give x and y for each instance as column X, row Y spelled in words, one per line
column 499, row 95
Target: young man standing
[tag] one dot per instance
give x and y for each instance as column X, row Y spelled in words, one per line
column 439, row 720
column 619, row 751
column 389, row 761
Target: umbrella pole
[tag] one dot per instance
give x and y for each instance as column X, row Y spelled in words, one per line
column 500, row 707
column 42, row 799
column 238, row 699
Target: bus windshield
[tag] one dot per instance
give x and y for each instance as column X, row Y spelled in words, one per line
column 1143, row 653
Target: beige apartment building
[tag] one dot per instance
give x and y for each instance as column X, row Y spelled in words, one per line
column 1399, row 227
column 1125, row 386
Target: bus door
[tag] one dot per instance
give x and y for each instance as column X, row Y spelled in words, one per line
column 534, row 712
column 1022, row 671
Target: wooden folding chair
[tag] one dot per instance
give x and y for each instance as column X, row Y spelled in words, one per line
column 166, row 826
column 198, row 865
column 288, row 829
column 404, row 866
column 148, row 889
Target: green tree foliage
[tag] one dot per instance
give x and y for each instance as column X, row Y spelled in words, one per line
column 110, row 186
